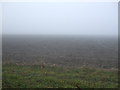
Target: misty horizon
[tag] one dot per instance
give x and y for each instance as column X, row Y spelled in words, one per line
column 59, row 45
column 60, row 19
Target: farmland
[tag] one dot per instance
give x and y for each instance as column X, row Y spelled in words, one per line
column 69, row 61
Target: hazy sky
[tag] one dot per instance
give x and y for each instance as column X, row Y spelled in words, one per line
column 61, row 18
column 0, row 18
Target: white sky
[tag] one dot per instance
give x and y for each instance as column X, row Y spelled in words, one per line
column 93, row 18
column 0, row 18
column 59, row 0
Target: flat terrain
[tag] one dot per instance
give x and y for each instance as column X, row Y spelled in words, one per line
column 27, row 76
column 60, row 61
column 73, row 51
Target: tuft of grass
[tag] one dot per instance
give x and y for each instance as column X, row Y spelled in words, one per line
column 26, row 76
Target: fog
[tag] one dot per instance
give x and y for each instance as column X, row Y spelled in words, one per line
column 98, row 18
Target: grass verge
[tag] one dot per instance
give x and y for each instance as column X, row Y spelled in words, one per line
column 26, row 76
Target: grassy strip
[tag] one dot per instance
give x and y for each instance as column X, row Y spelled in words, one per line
column 25, row 76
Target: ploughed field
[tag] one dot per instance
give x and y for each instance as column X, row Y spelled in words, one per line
column 59, row 61
column 74, row 51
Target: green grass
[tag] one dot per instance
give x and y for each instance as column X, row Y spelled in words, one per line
column 57, row 77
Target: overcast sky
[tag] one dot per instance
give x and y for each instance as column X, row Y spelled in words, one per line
column 100, row 18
